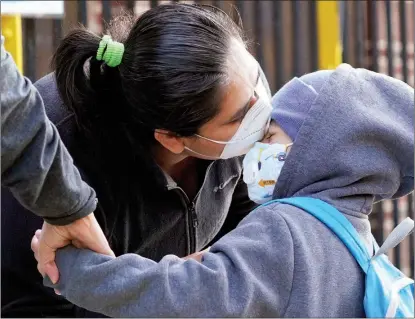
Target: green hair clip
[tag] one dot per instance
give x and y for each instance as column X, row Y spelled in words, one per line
column 110, row 51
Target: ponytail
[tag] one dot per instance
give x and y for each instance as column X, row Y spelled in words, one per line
column 105, row 147
column 68, row 62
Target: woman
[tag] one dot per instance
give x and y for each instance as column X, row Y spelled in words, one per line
column 158, row 137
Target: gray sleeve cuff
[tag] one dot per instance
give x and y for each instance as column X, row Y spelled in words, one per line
column 84, row 210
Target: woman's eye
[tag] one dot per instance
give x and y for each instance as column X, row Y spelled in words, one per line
column 250, row 104
column 239, row 120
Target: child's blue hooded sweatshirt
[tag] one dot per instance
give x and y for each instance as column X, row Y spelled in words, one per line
column 355, row 147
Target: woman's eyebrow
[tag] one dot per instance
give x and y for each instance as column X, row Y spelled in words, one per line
column 241, row 112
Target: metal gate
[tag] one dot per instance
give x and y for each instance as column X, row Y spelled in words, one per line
column 379, row 35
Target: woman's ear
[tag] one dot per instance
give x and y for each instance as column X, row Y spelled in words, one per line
column 170, row 141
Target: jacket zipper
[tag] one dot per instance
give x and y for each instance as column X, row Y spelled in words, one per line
column 191, row 209
column 193, row 225
column 193, row 215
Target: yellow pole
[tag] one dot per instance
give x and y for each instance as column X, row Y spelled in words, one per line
column 328, row 31
column 11, row 28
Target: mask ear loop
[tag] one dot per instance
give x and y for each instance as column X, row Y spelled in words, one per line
column 288, row 145
column 215, row 141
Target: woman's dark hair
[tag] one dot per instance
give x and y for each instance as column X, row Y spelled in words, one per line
column 170, row 77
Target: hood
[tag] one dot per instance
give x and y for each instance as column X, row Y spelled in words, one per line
column 356, row 144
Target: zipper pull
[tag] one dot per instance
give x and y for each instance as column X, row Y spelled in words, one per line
column 194, row 216
column 195, row 221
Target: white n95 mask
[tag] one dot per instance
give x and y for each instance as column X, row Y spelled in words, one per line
column 252, row 129
column 262, row 166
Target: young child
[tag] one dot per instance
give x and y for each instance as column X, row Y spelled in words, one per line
column 352, row 141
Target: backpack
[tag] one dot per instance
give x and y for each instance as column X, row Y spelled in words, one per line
column 388, row 292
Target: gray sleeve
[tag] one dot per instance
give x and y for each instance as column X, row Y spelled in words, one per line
column 247, row 273
column 240, row 207
column 35, row 165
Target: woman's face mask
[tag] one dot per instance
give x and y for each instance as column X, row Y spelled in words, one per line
column 262, row 166
column 252, row 128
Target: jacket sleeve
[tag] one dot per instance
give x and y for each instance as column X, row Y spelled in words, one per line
column 247, row 273
column 35, row 165
column 241, row 206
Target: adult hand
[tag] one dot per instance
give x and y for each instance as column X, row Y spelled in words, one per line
column 82, row 233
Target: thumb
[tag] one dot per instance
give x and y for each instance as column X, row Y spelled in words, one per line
column 51, row 270
column 96, row 240
column 101, row 246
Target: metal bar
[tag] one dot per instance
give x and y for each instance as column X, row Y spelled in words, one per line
column 381, row 224
column 313, row 38
column 397, row 250
column 359, row 30
column 240, row 6
column 83, row 12
column 412, row 236
column 374, row 35
column 106, row 10
column 404, row 54
column 131, row 5
column 258, row 33
column 345, row 33
column 57, row 32
column 378, row 227
column 329, row 50
column 389, row 37
column 295, row 11
column 11, row 28
column 154, row 3
column 30, row 48
column 217, row 3
column 278, row 44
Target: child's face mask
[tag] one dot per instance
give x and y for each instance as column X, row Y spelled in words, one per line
column 262, row 166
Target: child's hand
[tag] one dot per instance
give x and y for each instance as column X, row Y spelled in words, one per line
column 197, row 256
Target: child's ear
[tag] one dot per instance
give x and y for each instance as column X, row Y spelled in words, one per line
column 170, row 141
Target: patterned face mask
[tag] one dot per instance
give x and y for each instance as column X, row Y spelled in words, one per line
column 262, row 166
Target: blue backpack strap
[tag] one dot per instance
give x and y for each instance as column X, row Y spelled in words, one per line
column 336, row 222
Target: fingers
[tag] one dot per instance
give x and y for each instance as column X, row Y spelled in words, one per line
column 34, row 245
column 40, row 270
column 84, row 233
column 49, row 241
column 197, row 256
column 78, row 244
column 45, row 257
column 52, row 271
column 46, row 260
column 48, row 268
column 94, row 239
